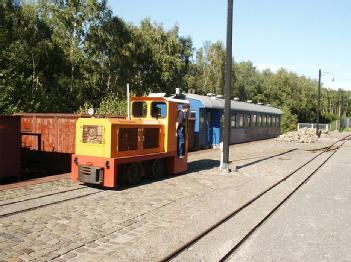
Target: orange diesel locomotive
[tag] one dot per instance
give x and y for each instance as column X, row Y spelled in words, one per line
column 113, row 150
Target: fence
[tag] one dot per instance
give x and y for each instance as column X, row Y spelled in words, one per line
column 324, row 127
column 346, row 122
column 332, row 126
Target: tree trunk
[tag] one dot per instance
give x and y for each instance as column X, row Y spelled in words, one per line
column 108, row 80
column 33, row 67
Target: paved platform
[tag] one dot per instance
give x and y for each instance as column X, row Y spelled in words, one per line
column 314, row 225
column 146, row 222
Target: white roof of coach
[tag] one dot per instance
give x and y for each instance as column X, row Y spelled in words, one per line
column 218, row 103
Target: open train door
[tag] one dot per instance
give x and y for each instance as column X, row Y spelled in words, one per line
column 177, row 164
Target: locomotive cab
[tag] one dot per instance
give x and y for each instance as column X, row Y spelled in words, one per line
column 110, row 150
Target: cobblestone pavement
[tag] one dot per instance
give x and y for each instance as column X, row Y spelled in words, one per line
column 31, row 191
column 148, row 221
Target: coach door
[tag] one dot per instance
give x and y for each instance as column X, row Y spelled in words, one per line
column 205, row 121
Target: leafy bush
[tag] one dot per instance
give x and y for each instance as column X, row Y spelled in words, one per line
column 108, row 106
column 288, row 121
column 112, row 106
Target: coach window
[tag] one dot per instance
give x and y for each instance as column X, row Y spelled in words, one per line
column 248, row 120
column 264, row 120
column 269, row 120
column 139, row 109
column 241, row 120
column 254, row 120
column 259, row 120
column 273, row 121
column 158, row 110
column 192, row 115
column 277, row 121
column 233, row 120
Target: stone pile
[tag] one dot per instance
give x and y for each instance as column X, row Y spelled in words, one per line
column 304, row 135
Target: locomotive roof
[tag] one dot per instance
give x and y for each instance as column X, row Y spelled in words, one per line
column 218, row 103
column 159, row 98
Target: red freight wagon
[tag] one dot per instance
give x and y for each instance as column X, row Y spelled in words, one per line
column 10, row 148
column 48, row 140
column 48, row 132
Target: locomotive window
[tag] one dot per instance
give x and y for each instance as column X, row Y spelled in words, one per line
column 92, row 134
column 159, row 110
column 151, row 138
column 127, row 139
column 241, row 120
column 139, row 109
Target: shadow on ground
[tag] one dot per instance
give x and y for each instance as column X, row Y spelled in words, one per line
column 265, row 158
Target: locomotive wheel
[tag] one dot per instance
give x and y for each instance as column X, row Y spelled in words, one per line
column 134, row 174
column 122, row 178
column 157, row 168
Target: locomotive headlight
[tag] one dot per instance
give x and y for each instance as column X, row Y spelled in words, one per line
column 91, row 111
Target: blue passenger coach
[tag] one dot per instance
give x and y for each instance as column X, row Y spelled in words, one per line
column 248, row 121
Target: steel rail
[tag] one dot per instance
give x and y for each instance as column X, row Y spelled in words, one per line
column 190, row 243
column 38, row 197
column 49, row 204
column 230, row 253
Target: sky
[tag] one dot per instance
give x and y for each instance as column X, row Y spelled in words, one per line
column 302, row 36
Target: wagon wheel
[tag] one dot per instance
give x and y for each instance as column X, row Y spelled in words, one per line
column 157, row 168
column 134, row 174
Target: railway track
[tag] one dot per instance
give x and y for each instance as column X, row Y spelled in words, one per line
column 38, row 197
column 180, row 253
column 29, row 204
column 72, row 194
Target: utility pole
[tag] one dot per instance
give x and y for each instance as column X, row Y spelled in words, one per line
column 319, row 101
column 227, row 91
column 128, row 101
column 340, row 112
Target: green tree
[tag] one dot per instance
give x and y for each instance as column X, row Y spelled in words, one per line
column 26, row 56
column 108, row 52
column 246, row 82
column 288, row 120
column 209, row 71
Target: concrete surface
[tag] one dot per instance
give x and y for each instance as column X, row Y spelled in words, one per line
column 314, row 225
column 215, row 245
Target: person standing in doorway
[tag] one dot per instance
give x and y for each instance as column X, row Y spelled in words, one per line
column 181, row 127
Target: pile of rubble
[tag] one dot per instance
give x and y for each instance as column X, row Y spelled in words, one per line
column 304, row 135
